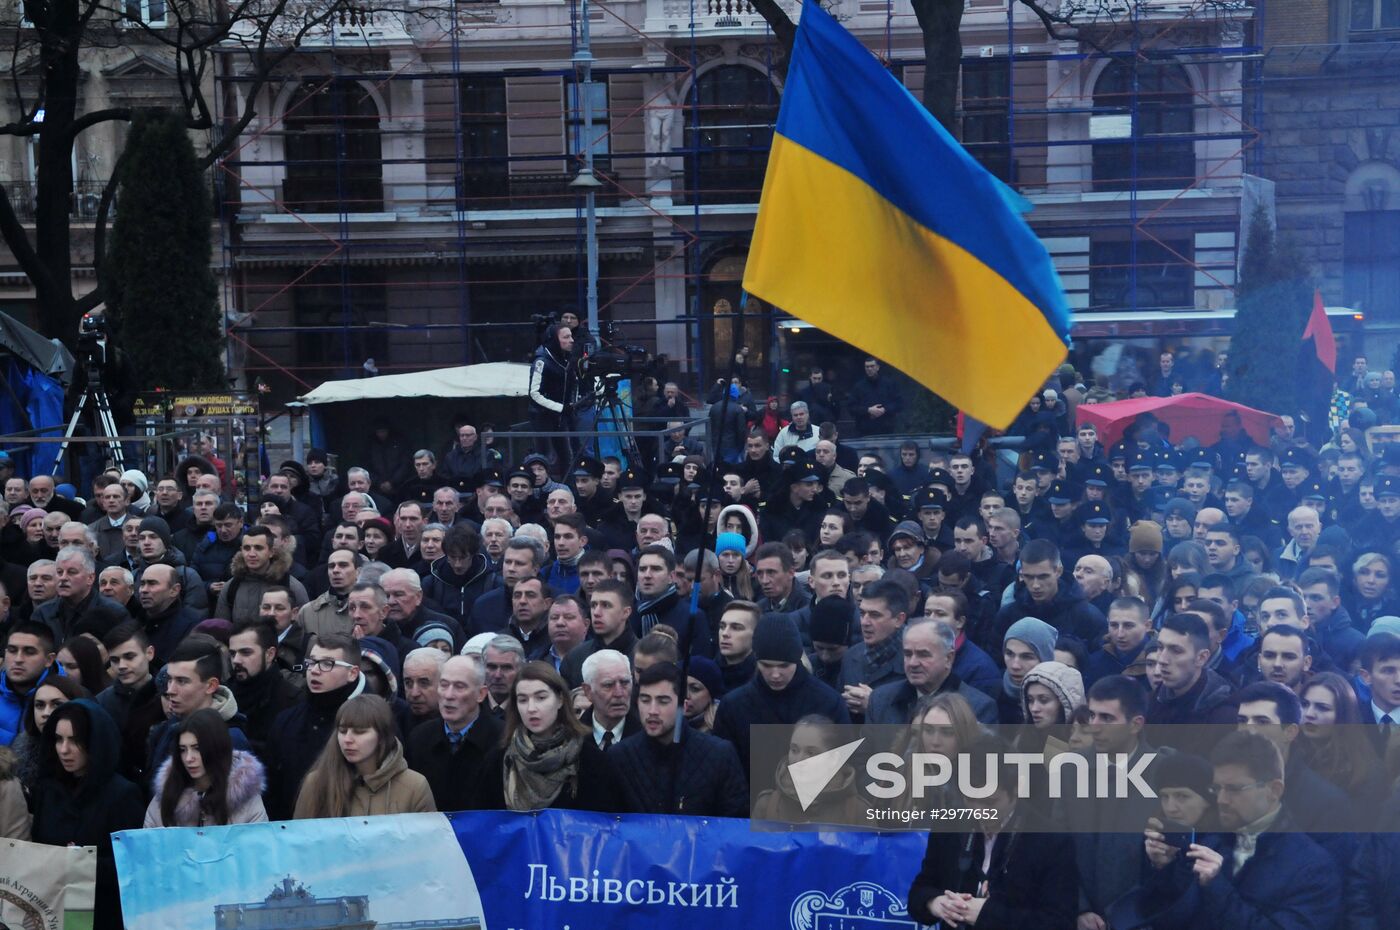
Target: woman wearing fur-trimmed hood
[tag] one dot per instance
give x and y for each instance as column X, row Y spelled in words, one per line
column 205, row 781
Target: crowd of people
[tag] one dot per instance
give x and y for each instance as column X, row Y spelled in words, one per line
column 574, row 633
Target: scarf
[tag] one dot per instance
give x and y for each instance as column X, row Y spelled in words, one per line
column 1010, row 688
column 536, row 768
column 649, row 612
column 879, row 656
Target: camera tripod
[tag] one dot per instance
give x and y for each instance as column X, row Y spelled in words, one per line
column 104, row 422
column 611, row 409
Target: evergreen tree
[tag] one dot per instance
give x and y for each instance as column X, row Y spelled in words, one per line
column 1272, row 299
column 163, row 301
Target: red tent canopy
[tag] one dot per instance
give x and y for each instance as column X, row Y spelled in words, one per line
column 1195, row 415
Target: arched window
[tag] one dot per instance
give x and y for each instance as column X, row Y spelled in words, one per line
column 1140, row 106
column 332, row 147
column 726, row 160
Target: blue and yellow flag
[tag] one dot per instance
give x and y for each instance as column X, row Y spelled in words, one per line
column 878, row 227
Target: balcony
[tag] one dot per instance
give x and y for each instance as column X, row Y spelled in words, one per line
column 709, row 17
column 354, row 25
column 82, row 205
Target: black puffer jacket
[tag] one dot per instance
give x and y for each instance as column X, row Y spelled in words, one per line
column 455, row 593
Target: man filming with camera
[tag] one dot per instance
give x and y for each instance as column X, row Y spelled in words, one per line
column 554, row 392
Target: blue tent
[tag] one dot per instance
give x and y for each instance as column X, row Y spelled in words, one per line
column 36, row 372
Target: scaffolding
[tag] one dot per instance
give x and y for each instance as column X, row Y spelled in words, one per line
column 401, row 199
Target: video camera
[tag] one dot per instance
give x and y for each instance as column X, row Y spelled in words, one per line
column 616, row 360
column 92, row 341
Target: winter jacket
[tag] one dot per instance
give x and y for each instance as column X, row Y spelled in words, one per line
column 709, row 781
column 246, row 783
column 260, row 700
column 87, row 812
column 1289, row 883
column 755, row 703
column 393, row 788
column 213, row 558
column 1032, row 882
column 95, row 614
column 895, row 702
column 327, row 613
column 1340, row 638
column 1106, row 661
column 572, row 666
column 135, row 712
column 454, row 775
column 454, row 593
column 1068, row 612
column 14, row 809
column 673, row 610
column 240, row 598
column 972, row 664
column 13, row 703
column 168, row 629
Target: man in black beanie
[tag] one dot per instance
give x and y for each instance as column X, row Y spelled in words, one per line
column 154, row 540
column 783, row 691
column 831, row 637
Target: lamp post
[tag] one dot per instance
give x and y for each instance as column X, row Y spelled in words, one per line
column 587, row 181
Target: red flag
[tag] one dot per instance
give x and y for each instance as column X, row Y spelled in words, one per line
column 1320, row 332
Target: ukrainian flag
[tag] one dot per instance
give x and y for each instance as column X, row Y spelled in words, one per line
column 878, row 227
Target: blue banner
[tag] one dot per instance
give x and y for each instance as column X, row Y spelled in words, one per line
column 504, row 871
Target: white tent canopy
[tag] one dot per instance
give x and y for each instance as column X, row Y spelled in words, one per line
column 489, row 379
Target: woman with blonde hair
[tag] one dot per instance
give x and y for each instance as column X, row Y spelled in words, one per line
column 547, row 759
column 362, row 769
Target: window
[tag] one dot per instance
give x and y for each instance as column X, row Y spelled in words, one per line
column 1163, row 274
column 575, row 129
column 332, row 148
column 1374, row 15
column 485, row 144
column 337, row 301
column 737, row 109
column 150, row 12
column 986, row 113
column 1371, row 264
column 1152, row 103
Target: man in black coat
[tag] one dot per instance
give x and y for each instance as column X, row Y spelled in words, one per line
column 873, row 402
column 700, row 775
column 450, row 752
column 1042, row 594
column 79, row 608
column 168, row 620
column 782, row 691
column 259, row 686
column 658, row 601
column 300, row 732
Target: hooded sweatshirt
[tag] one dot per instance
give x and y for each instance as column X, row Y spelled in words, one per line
column 1063, row 681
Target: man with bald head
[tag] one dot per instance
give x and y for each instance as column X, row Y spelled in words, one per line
column 168, row 620
column 41, row 495
column 1094, row 575
column 1206, row 518
column 451, row 752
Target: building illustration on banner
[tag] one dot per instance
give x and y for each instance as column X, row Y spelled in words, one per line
column 292, row 906
column 858, row 906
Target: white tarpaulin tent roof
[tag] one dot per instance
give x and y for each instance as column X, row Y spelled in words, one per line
column 489, row 379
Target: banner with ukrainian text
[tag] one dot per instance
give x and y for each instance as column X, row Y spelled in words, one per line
column 503, row 871
column 46, row 887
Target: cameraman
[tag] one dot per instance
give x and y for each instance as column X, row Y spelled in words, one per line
column 553, row 392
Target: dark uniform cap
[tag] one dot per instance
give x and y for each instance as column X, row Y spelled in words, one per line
column 930, row 499
column 587, row 465
column 1387, row 486
column 875, row 478
column 804, row 470
column 939, row 476
column 488, row 476
column 1312, row 491
column 1093, row 512
column 1141, row 460
column 1097, row 474
column 1044, row 460
column 1118, row 451
column 1171, row 460
column 630, row 480
column 1296, row 457
column 1201, row 457
column 521, row 473
column 1061, row 492
column 670, row 472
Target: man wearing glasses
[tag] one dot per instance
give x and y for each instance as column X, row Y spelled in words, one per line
column 301, row 731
